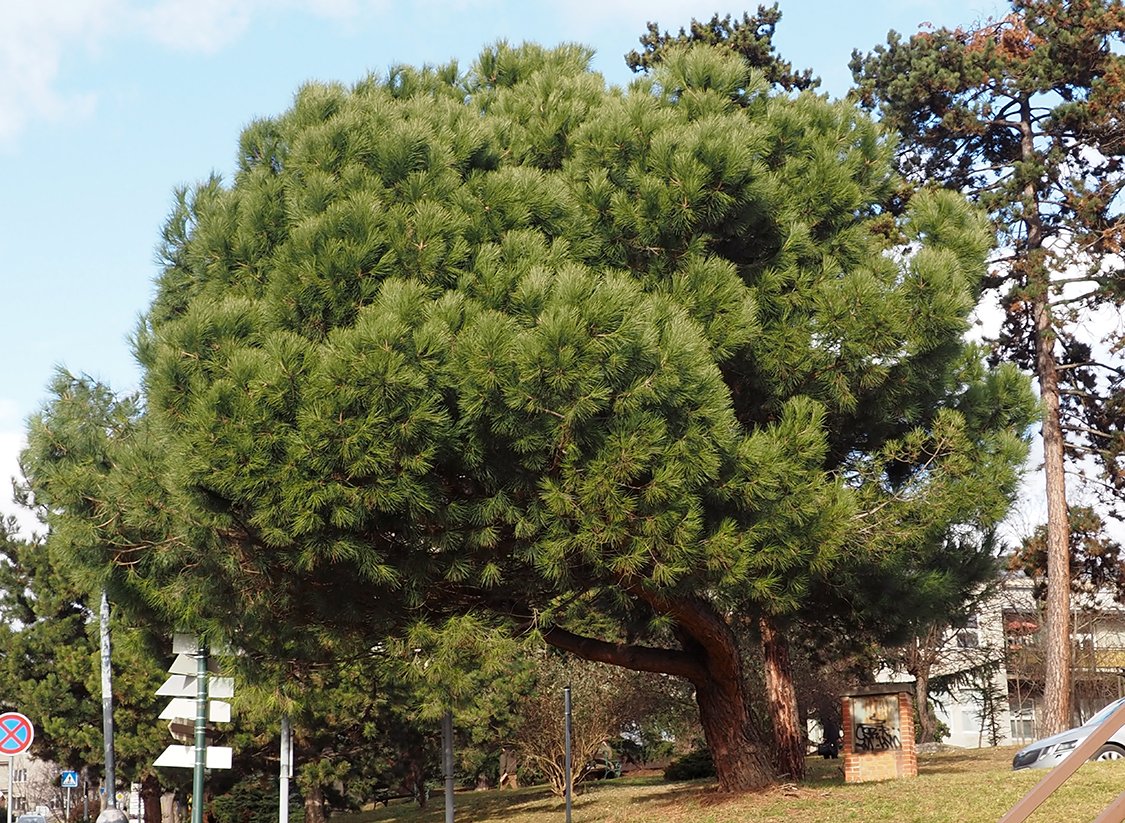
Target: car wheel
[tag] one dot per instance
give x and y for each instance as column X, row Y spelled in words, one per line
column 1109, row 751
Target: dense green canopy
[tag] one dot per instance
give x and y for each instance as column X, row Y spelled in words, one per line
column 512, row 340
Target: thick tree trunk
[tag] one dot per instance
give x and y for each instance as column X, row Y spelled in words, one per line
column 1056, row 687
column 789, row 741
column 314, row 805
column 151, row 794
column 724, row 715
column 711, row 661
column 1057, row 652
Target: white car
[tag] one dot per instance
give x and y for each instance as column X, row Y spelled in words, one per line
column 1051, row 751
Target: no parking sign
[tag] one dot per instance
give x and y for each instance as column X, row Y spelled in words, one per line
column 16, row 733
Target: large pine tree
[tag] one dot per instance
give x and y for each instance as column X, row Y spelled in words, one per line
column 1025, row 114
column 632, row 367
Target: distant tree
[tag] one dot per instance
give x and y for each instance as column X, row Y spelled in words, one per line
column 499, row 342
column 751, row 38
column 605, row 700
column 989, row 699
column 1097, row 560
column 934, row 642
column 50, row 667
column 1023, row 114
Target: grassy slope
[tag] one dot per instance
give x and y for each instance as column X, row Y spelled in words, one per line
column 963, row 786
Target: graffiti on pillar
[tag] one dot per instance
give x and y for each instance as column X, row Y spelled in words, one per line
column 876, row 723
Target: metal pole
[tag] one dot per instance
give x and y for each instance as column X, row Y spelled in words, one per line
column 569, row 788
column 447, row 761
column 200, row 732
column 11, row 800
column 285, row 772
column 68, row 804
column 107, row 708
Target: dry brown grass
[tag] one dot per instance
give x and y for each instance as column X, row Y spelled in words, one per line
column 957, row 786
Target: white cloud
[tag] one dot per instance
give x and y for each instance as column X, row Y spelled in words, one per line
column 33, row 40
column 37, row 37
column 195, row 25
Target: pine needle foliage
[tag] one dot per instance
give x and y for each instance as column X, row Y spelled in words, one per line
column 511, row 340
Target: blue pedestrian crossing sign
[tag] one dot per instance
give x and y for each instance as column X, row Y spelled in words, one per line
column 70, row 780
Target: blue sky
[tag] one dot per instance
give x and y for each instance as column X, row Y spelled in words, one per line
column 107, row 105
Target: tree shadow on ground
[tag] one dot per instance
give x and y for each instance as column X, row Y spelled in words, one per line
column 966, row 761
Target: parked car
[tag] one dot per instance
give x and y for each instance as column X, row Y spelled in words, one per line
column 602, row 768
column 31, row 818
column 828, row 749
column 1050, row 751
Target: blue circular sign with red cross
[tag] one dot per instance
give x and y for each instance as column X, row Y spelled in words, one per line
column 16, row 733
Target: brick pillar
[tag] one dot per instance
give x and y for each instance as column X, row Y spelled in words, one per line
column 879, row 733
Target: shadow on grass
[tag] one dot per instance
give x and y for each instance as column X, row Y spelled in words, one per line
column 519, row 804
column 966, row 761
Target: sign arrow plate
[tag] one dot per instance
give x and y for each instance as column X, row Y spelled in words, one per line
column 183, row 757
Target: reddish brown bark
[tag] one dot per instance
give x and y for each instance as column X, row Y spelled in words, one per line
column 1057, row 654
column 711, row 661
column 781, row 695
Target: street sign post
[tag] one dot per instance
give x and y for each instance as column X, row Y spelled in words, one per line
column 16, row 737
column 69, row 781
column 203, row 685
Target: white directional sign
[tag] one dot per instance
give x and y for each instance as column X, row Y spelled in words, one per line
column 182, row 685
column 189, row 644
column 183, row 757
column 187, row 664
column 178, row 708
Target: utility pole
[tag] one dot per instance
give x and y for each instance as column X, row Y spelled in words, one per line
column 286, row 770
column 447, row 761
column 569, row 770
column 200, row 731
column 109, row 814
column 107, row 707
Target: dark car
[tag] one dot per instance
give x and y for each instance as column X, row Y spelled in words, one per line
column 602, row 768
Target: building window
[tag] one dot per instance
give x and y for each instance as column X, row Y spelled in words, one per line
column 1023, row 728
column 19, row 776
column 969, row 721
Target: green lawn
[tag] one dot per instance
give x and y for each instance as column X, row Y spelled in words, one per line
column 963, row 786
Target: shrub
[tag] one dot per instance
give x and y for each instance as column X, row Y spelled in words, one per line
column 691, row 766
column 253, row 800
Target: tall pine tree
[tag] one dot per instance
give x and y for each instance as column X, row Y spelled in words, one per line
column 1025, row 115
column 751, row 38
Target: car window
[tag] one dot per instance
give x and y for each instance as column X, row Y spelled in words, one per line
column 1104, row 713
